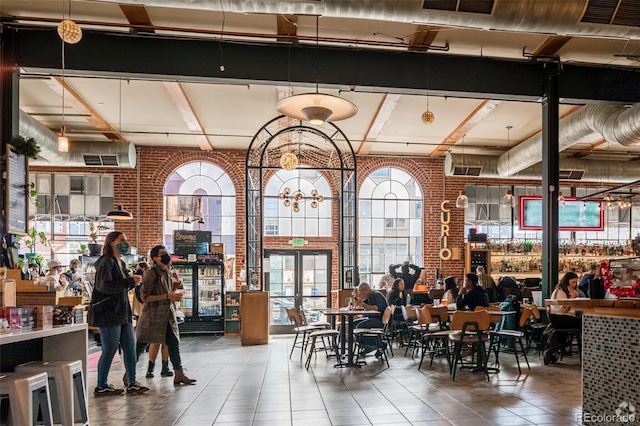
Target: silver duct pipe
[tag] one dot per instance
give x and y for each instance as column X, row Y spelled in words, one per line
column 531, row 16
column 594, row 170
column 122, row 153
column 588, row 119
column 624, row 128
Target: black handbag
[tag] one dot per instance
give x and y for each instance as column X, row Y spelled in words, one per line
column 105, row 303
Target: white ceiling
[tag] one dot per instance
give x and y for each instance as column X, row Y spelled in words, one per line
column 144, row 113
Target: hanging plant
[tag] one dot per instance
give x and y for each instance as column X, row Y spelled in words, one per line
column 27, row 147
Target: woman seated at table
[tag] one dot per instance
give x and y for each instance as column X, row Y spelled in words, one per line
column 451, row 291
column 563, row 316
column 398, row 297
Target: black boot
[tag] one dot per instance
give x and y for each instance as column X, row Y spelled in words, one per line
column 165, row 369
column 152, row 366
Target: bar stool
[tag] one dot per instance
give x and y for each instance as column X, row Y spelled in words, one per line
column 68, row 396
column 29, row 398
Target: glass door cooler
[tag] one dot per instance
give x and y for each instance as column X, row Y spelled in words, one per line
column 202, row 302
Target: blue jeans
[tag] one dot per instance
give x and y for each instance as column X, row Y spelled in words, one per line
column 113, row 337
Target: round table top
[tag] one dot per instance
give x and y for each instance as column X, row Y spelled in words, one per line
column 347, row 311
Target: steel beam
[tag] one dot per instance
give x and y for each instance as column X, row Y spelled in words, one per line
column 189, row 59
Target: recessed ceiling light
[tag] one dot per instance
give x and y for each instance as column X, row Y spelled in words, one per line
column 100, row 103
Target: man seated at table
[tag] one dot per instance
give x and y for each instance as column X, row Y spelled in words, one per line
column 472, row 294
column 370, row 300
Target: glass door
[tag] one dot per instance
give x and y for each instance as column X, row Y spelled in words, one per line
column 297, row 279
column 209, row 290
column 185, row 272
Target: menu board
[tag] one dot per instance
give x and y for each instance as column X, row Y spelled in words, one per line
column 17, row 216
column 191, row 242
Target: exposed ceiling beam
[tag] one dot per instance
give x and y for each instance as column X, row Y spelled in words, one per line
column 188, row 114
column 563, row 115
column 583, row 153
column 551, row 46
column 480, row 112
column 287, row 26
column 191, row 59
column 137, row 15
column 422, row 38
column 75, row 101
column 385, row 109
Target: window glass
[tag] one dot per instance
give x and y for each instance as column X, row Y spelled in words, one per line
column 207, row 195
column 390, row 222
column 301, row 201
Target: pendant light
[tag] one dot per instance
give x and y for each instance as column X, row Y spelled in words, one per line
column 428, row 117
column 316, row 108
column 63, row 141
column 462, row 202
column 120, row 214
column 509, row 200
column 68, row 30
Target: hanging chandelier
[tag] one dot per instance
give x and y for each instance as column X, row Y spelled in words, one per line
column 69, row 31
column 289, row 161
column 294, row 199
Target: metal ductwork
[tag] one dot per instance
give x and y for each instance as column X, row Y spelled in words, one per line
column 588, row 119
column 581, row 18
column 486, row 166
column 82, row 154
column 614, row 123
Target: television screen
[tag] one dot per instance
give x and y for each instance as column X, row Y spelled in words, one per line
column 573, row 215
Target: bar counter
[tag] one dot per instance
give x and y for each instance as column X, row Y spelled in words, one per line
column 610, row 356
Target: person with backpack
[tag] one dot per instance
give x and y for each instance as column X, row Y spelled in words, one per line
column 158, row 322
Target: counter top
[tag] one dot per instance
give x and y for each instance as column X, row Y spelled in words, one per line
column 38, row 333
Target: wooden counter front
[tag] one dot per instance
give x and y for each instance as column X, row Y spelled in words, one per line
column 603, row 307
column 254, row 309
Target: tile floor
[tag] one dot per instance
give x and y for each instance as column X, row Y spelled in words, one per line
column 259, row 385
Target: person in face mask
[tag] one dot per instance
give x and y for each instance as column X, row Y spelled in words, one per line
column 110, row 311
column 55, row 279
column 158, row 323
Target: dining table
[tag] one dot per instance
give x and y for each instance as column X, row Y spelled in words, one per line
column 347, row 316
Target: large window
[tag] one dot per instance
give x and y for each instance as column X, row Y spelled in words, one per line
column 66, row 205
column 488, row 215
column 297, row 203
column 390, row 222
column 216, row 201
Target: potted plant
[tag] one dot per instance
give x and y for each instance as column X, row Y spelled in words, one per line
column 83, row 250
column 95, row 249
column 31, row 240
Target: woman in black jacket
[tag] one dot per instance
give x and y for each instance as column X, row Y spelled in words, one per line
column 398, row 297
column 110, row 311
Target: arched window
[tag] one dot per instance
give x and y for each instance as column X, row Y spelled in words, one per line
column 390, row 222
column 202, row 195
column 297, row 203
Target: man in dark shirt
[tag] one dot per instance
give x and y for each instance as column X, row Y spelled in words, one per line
column 472, row 294
column 371, row 301
column 583, row 284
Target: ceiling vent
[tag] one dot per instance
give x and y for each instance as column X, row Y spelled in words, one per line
column 469, row 6
column 624, row 12
column 467, row 171
column 100, row 160
column 571, row 174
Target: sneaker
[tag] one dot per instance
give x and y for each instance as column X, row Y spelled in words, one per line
column 149, row 375
column 379, row 354
column 136, row 387
column 107, row 391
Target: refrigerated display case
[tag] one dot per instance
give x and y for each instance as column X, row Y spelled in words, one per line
column 202, row 303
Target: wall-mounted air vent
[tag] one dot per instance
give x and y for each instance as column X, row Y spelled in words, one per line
column 624, row 12
column 571, row 174
column 470, row 6
column 100, row 160
column 467, row 171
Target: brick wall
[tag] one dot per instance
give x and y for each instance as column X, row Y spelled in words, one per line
column 157, row 163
